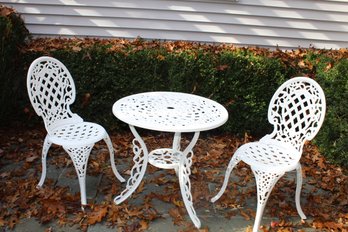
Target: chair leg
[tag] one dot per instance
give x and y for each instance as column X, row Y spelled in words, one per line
column 265, row 182
column 79, row 156
column 108, row 142
column 298, row 191
column 46, row 146
column 233, row 162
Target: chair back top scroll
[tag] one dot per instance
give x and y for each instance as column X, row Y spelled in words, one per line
column 51, row 90
column 297, row 111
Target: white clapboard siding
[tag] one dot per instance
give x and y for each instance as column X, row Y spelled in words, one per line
column 267, row 23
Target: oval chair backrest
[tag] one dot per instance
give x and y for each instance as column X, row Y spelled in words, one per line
column 297, row 111
column 51, row 90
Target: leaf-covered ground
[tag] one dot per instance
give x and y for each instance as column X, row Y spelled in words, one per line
column 324, row 198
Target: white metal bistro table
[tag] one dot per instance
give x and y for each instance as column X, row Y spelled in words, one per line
column 168, row 112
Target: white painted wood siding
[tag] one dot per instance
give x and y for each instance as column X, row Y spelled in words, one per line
column 267, row 23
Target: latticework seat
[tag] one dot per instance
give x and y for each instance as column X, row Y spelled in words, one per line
column 297, row 111
column 51, row 91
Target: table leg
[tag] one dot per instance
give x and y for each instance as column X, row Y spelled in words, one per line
column 176, row 147
column 184, row 180
column 138, row 170
column 176, row 141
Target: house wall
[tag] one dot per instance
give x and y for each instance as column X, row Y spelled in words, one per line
column 268, row 23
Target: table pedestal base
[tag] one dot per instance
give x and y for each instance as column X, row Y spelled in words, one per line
column 166, row 158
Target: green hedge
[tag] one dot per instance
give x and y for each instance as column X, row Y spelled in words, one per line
column 333, row 136
column 13, row 34
column 242, row 79
column 236, row 81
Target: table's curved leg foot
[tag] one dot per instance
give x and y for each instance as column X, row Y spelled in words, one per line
column 185, row 187
column 138, row 170
column 184, row 180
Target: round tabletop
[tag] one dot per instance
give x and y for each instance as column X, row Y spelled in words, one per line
column 170, row 112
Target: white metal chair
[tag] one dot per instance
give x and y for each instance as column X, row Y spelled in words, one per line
column 297, row 110
column 51, row 91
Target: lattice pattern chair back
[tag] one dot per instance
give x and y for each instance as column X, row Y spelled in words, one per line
column 51, row 90
column 297, row 111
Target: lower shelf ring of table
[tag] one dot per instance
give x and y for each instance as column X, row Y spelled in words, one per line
column 165, row 158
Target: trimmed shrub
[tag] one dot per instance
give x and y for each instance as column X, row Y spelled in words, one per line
column 242, row 79
column 332, row 139
column 13, row 35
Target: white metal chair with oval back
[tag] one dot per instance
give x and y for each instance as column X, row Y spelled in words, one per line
column 297, row 111
column 51, row 90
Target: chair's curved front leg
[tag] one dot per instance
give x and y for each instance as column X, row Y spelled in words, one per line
column 46, row 146
column 298, row 191
column 79, row 156
column 265, row 182
column 108, row 142
column 233, row 162
column 138, row 170
column 184, row 180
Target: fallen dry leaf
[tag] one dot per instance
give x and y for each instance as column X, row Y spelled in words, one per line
column 326, row 200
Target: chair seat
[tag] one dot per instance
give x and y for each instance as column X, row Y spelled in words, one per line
column 270, row 155
column 77, row 134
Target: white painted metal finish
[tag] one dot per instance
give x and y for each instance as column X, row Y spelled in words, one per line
column 170, row 112
column 51, row 91
column 297, row 111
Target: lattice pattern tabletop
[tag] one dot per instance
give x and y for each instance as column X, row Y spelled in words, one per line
column 170, row 112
